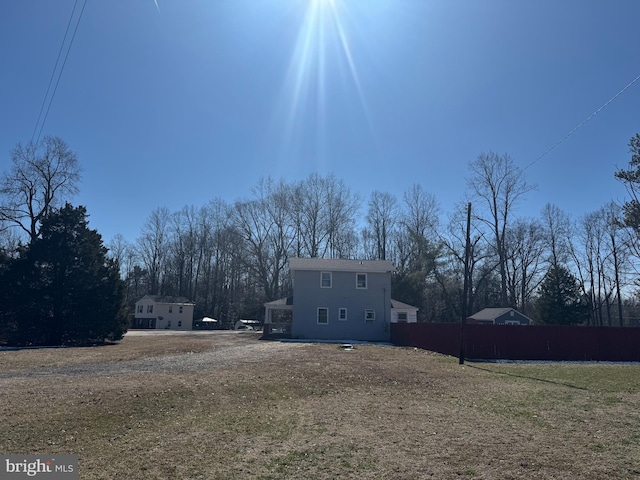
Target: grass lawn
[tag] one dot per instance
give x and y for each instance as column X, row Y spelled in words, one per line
column 314, row 411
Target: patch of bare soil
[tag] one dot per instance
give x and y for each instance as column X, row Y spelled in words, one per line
column 232, row 406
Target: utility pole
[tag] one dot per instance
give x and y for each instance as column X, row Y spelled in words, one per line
column 465, row 287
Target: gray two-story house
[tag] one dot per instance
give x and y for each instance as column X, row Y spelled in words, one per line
column 336, row 299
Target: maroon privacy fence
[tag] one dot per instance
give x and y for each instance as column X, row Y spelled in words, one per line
column 512, row 342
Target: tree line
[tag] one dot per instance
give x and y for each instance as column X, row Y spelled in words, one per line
column 231, row 257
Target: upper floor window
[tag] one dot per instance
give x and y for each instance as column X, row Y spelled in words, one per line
column 140, row 308
column 149, row 308
column 361, row 280
column 325, row 279
column 402, row 317
column 170, row 308
column 180, row 310
column 342, row 314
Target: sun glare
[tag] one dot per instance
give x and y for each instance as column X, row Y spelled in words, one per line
column 322, row 53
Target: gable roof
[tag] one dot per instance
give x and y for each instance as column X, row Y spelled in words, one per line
column 402, row 306
column 167, row 299
column 340, row 265
column 281, row 302
column 493, row 313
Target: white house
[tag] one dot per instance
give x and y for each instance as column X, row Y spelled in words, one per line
column 163, row 313
column 403, row 313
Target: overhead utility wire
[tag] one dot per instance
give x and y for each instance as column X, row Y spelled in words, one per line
column 55, row 67
column 553, row 147
column 44, row 119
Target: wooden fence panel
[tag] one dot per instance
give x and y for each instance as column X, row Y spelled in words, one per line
column 513, row 342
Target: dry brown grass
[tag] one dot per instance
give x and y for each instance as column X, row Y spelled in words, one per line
column 314, row 411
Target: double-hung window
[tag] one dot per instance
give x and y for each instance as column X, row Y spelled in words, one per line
column 361, row 280
column 323, row 315
column 325, row 279
column 342, row 314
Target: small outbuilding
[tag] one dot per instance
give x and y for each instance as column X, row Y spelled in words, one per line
column 403, row 312
column 499, row 316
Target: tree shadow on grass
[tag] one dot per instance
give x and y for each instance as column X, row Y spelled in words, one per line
column 527, row 377
column 13, row 348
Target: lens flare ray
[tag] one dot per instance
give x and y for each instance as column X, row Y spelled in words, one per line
column 322, row 44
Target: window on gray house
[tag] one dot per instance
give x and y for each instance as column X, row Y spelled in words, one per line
column 361, row 280
column 170, row 308
column 342, row 314
column 402, row 317
column 369, row 315
column 149, row 308
column 323, row 315
column 180, row 310
column 325, row 279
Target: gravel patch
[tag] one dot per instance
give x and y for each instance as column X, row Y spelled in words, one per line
column 223, row 356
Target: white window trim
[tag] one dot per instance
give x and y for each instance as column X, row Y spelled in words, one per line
column 373, row 315
column 318, row 316
column 340, row 310
column 366, row 281
column 330, row 279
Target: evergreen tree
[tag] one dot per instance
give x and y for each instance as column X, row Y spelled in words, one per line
column 65, row 290
column 630, row 177
column 559, row 301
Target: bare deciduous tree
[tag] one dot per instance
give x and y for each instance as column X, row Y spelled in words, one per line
column 557, row 226
column 43, row 176
column 152, row 247
column 381, row 218
column 497, row 184
column 420, row 222
column 525, row 248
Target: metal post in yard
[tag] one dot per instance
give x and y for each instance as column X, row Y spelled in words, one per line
column 465, row 287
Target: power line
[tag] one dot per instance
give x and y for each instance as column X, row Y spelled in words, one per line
column 554, row 146
column 44, row 101
column 55, row 67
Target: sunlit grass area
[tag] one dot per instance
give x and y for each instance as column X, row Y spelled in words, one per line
column 316, row 411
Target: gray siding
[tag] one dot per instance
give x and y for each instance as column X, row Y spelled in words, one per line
column 309, row 296
column 507, row 317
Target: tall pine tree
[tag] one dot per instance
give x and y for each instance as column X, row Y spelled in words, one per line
column 65, row 290
column 559, row 301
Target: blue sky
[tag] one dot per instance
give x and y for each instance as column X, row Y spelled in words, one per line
column 191, row 100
